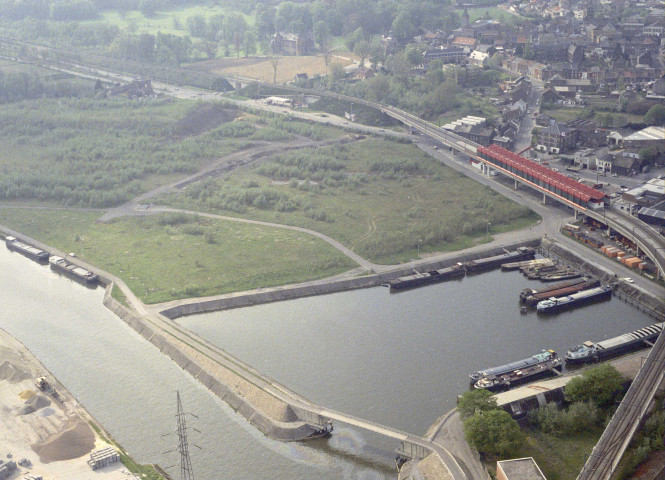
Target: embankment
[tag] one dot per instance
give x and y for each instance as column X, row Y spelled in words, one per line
column 270, row 415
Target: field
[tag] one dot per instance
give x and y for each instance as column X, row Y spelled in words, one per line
column 490, row 13
column 166, row 21
column 260, row 68
column 126, row 148
column 383, row 199
column 168, row 257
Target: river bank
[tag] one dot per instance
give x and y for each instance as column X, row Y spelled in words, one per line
column 53, row 434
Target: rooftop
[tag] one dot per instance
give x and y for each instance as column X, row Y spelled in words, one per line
column 520, row 469
column 649, row 133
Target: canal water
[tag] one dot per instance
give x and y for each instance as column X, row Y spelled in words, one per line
column 397, row 359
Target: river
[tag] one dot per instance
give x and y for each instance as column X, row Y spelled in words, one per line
column 398, row 359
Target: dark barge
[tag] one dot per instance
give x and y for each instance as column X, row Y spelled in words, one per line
column 73, row 271
column 524, row 375
column 559, row 304
column 524, row 294
column 419, row 279
column 489, row 263
column 592, row 352
column 29, row 251
column 542, row 357
column 533, row 299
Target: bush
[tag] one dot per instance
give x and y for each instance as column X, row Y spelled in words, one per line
column 493, row 432
column 474, row 401
column 600, row 385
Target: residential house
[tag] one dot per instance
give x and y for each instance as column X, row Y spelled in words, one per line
column 283, row 43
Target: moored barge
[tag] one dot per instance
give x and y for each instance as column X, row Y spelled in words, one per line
column 533, row 299
column 542, row 357
column 482, row 264
column 420, row 279
column 530, row 291
column 521, row 376
column 29, row 251
column 507, row 267
column 559, row 304
column 592, row 352
column 59, row 264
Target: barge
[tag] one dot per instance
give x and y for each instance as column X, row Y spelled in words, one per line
column 489, row 263
column 59, row 264
column 542, row 357
column 495, row 383
column 420, row 279
column 507, row 267
column 559, row 304
column 592, row 352
column 524, row 294
column 533, row 299
column 29, row 251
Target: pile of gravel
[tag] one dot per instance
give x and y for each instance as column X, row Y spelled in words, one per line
column 35, row 403
column 11, row 373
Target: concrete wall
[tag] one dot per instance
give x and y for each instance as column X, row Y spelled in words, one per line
column 285, row 431
column 290, row 292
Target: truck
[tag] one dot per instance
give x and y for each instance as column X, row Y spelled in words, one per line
column 42, row 384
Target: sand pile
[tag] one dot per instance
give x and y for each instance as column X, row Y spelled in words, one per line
column 75, row 441
column 33, row 404
column 11, row 373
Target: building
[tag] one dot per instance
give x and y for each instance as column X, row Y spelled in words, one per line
column 518, row 469
column 476, row 133
column 292, row 43
column 445, row 54
column 650, row 137
column 555, row 138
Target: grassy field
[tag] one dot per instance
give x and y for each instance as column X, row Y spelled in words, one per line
column 560, row 458
column 491, row 13
column 165, row 21
column 383, row 199
column 260, row 68
column 169, row 257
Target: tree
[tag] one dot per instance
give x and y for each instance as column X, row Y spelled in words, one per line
column 249, row 45
column 402, row 28
column 648, row 155
column 362, row 49
column 337, row 72
column 322, row 37
column 147, row 7
column 599, row 385
column 655, row 115
column 274, row 61
column 475, row 401
column 493, row 432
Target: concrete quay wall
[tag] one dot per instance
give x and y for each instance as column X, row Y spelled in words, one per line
column 277, row 294
column 635, row 296
column 284, row 431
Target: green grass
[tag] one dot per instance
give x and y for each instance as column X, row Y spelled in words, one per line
column 190, row 257
column 163, row 21
column 492, row 13
column 376, row 196
column 559, row 458
column 147, row 472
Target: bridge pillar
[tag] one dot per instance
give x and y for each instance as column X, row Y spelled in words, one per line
column 576, row 212
column 516, row 184
column 545, row 200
